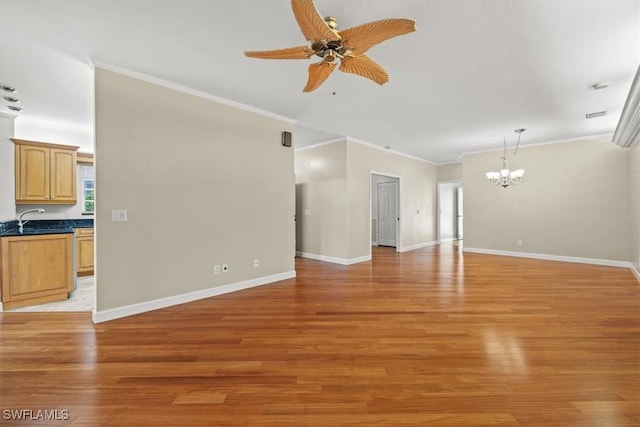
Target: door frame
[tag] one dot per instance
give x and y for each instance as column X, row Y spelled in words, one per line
column 439, row 203
column 398, row 202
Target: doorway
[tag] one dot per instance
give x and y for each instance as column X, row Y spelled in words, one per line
column 385, row 210
column 450, row 211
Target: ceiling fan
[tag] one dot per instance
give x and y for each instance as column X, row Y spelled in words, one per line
column 331, row 44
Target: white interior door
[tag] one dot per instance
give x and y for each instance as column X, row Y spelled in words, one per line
column 387, row 213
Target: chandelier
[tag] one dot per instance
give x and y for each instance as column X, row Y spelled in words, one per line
column 506, row 177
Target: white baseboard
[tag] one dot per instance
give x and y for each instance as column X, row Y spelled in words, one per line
column 129, row 310
column 418, row 246
column 595, row 261
column 341, row 261
column 636, row 271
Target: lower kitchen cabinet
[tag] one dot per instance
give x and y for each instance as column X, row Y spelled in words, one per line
column 36, row 269
column 84, row 249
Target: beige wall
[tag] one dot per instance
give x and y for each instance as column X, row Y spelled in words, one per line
column 634, row 179
column 334, row 183
column 321, row 190
column 203, row 184
column 574, row 201
column 451, row 172
column 417, row 196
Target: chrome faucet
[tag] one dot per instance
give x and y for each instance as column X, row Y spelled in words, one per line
column 21, row 223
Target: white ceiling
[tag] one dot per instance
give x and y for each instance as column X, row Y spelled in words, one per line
column 473, row 72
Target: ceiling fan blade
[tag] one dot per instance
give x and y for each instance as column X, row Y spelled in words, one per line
column 361, row 38
column 311, row 22
column 318, row 73
column 298, row 52
column 366, row 67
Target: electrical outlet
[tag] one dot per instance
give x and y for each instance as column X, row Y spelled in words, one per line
column 216, row 269
column 519, row 242
column 225, row 268
column 256, row 263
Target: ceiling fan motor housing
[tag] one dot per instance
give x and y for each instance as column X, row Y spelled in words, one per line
column 329, row 50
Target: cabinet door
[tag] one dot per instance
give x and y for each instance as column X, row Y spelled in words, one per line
column 85, row 254
column 63, row 175
column 36, row 269
column 33, row 178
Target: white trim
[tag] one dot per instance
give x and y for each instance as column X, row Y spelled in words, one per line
column 8, row 115
column 603, row 136
column 320, row 144
column 438, row 207
column 635, row 271
column 143, row 307
column 190, row 91
column 594, row 261
column 1, row 309
column 377, row 147
column 627, row 133
column 454, row 162
column 334, row 260
column 418, row 246
column 367, row 144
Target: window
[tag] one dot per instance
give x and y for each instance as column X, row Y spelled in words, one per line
column 88, row 188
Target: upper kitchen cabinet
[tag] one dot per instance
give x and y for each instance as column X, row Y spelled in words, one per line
column 45, row 173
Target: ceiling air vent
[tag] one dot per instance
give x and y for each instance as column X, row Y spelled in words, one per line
column 597, row 114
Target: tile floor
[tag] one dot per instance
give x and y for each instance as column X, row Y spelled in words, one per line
column 82, row 299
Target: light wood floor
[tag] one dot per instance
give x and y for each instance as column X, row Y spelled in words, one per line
column 431, row 337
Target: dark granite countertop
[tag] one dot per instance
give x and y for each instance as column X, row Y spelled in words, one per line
column 45, row 226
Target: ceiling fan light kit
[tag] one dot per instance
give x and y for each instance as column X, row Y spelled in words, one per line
column 331, row 44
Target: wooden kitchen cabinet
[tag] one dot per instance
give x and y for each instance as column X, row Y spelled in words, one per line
column 36, row 269
column 84, row 251
column 45, row 173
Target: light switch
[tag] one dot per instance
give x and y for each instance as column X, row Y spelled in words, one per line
column 118, row 215
column 307, row 212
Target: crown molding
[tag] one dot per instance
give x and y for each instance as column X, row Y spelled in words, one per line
column 8, row 116
column 190, row 91
column 320, row 144
column 398, row 153
column 602, row 136
column 627, row 132
column 456, row 162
